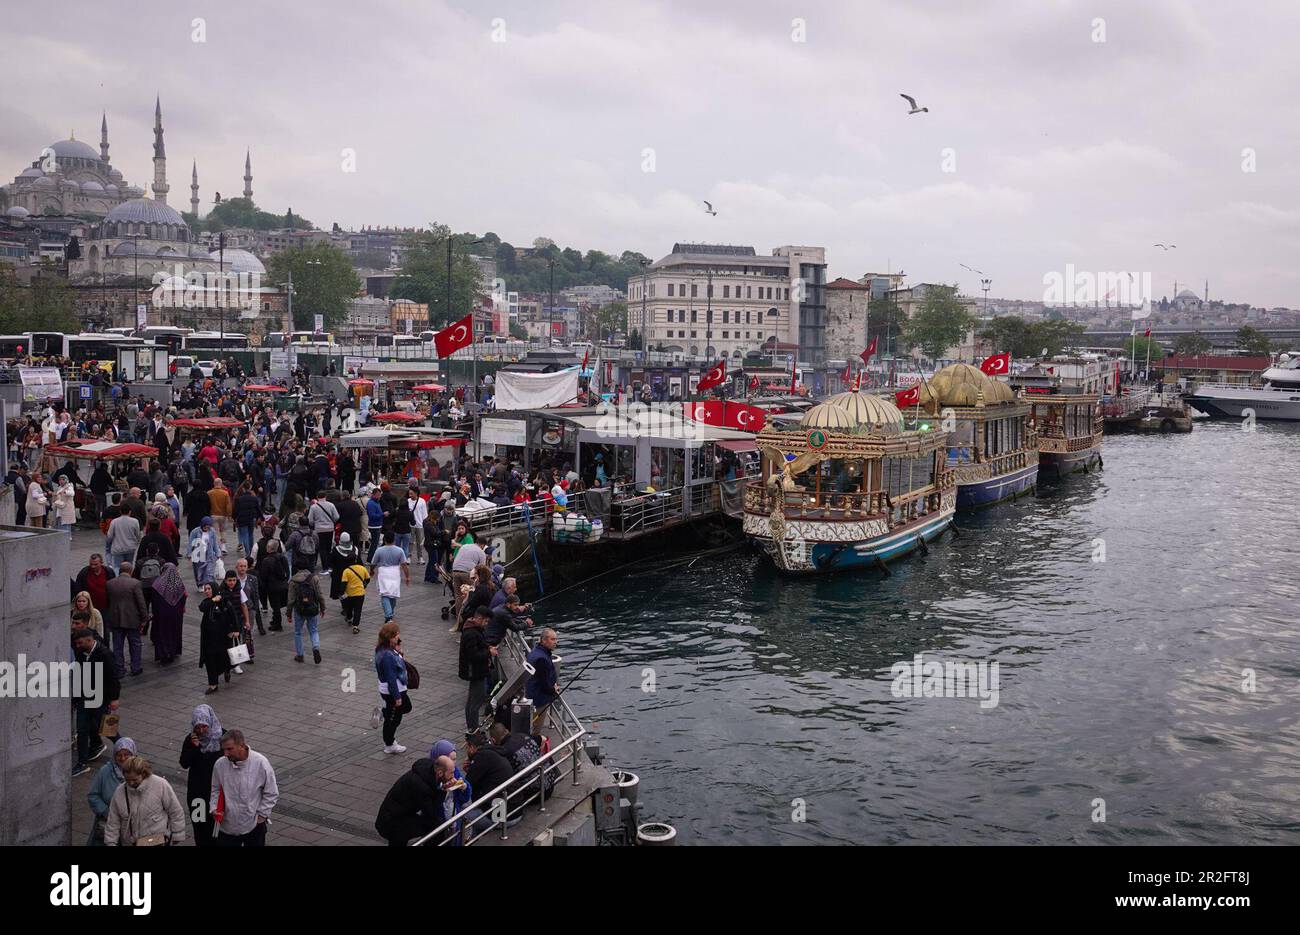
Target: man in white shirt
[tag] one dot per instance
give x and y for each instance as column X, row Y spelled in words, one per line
column 419, row 513
column 244, row 792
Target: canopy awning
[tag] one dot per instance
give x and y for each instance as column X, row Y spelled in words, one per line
column 264, row 388
column 361, row 381
column 209, row 423
column 404, row 417
column 737, row 445
column 428, row 388
column 102, row 450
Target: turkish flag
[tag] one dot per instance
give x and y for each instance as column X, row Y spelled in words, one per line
column 753, row 384
column 910, row 397
column 848, row 372
column 793, row 378
column 745, row 418
column 716, row 376
column 452, row 338
column 710, row 412
column 1147, row 333
column 584, row 358
column 870, row 351
column 857, row 384
column 998, row 363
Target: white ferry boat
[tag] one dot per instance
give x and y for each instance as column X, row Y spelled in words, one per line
column 1278, row 398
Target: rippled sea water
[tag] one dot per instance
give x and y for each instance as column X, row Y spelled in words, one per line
column 1119, row 680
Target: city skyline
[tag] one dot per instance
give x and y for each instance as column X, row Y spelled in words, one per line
column 1066, row 150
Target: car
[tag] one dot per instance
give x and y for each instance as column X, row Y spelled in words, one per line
column 206, row 367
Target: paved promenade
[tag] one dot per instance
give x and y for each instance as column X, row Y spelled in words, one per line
column 329, row 763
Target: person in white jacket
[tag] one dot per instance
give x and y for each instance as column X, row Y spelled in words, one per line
column 144, row 806
column 65, row 504
column 419, row 513
column 38, row 503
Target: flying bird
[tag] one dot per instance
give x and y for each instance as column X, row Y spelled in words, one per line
column 708, row 209
column 912, row 102
column 1172, row 246
column 971, row 268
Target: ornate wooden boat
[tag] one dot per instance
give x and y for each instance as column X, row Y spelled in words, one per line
column 992, row 447
column 1069, row 424
column 851, row 487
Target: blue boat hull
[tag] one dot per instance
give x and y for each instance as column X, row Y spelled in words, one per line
column 868, row 553
column 983, row 493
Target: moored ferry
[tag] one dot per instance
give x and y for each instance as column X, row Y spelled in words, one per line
column 1067, row 421
column 991, row 447
column 850, row 487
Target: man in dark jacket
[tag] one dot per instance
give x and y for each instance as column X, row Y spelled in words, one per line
column 544, row 684
column 488, row 766
column 101, row 482
column 475, row 663
column 350, row 515
column 197, row 505
column 91, row 707
column 411, row 807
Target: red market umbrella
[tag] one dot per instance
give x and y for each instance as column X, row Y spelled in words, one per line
column 103, row 450
column 428, row 388
column 210, row 423
column 265, row 388
column 361, row 381
column 407, row 417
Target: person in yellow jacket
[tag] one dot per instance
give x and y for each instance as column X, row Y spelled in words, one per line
column 354, row 579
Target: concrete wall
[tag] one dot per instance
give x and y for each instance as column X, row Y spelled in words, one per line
column 35, row 733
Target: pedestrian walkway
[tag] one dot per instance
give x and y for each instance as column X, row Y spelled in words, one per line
column 311, row 721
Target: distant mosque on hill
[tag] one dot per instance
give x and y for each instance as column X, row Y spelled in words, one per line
column 136, row 234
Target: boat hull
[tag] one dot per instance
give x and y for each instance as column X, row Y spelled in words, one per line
column 817, row 547
column 1284, row 408
column 1059, row 464
column 973, row 495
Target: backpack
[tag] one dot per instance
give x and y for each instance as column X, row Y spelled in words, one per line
column 304, row 600
column 306, row 547
column 150, row 569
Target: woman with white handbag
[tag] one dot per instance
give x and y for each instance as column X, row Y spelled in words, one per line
column 218, row 628
column 145, row 811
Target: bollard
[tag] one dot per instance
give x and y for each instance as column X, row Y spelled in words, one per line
column 656, row 834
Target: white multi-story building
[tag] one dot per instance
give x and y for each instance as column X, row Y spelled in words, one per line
column 716, row 300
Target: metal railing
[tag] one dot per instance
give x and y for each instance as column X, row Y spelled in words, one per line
column 646, row 511
column 503, row 807
column 837, row 505
column 516, row 515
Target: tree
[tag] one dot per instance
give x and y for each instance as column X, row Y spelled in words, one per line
column 941, row 322
column 634, row 340
column 518, row 332
column 885, row 321
column 1011, row 334
column 370, row 259
column 424, row 276
column 324, row 283
column 1192, row 345
column 1253, row 341
column 45, row 305
column 1137, row 347
column 241, row 212
column 609, row 318
column 1055, row 335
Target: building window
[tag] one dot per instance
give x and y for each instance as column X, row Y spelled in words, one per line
column 694, row 334
column 681, row 315
column 670, row 290
column 726, row 335
column 695, row 316
column 681, row 334
column 726, row 292
column 749, row 292
column 695, row 291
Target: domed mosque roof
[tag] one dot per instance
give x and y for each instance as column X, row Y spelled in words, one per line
column 961, row 385
column 239, row 261
column 18, row 212
column 74, row 149
column 828, row 417
column 31, row 172
column 145, row 211
column 90, row 185
column 869, row 414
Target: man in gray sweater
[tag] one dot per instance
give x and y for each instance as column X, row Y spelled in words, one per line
column 122, row 541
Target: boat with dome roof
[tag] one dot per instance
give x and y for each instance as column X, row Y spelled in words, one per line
column 851, row 486
column 992, row 445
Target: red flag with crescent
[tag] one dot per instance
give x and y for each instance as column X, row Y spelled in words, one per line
column 1147, row 333
column 585, row 355
column 910, row 397
column 753, row 384
column 998, row 363
column 793, row 378
column 726, row 414
column 870, row 351
column 848, row 373
column 857, row 384
column 716, row 376
column 455, row 336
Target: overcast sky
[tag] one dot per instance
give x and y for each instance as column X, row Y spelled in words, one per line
column 1067, row 150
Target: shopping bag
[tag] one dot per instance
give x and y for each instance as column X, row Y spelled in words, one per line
column 238, row 653
column 108, row 727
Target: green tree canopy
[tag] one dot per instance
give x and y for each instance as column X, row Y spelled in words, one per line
column 324, row 283
column 1192, row 344
column 1021, row 338
column 45, row 305
column 941, row 322
column 885, row 321
column 424, row 275
column 241, row 212
column 1136, row 347
column 1253, row 341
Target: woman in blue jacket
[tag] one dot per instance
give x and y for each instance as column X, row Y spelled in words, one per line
column 391, row 669
column 106, row 782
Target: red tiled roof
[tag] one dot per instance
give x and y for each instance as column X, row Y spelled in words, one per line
column 843, row 283
column 1213, row 362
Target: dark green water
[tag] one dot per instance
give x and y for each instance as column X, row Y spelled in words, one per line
column 1119, row 679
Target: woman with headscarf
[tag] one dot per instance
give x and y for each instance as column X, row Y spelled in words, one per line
column 167, row 609
column 200, row 751
column 340, row 557
column 105, row 784
column 217, row 628
column 65, row 504
column 83, row 601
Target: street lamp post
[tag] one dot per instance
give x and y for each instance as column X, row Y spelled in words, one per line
column 550, row 310
column 221, row 287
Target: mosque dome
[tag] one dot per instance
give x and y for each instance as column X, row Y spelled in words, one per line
column 69, row 185
column 144, row 211
column 43, row 182
column 74, row 149
column 870, row 413
column 239, row 261
column 110, row 188
column 115, row 174
column 18, row 212
column 90, row 185
column 962, row 385
column 31, row 172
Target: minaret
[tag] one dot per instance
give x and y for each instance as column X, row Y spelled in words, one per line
column 103, row 138
column 194, row 190
column 159, row 156
column 248, row 175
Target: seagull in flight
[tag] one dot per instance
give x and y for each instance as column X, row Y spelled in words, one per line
column 708, row 209
column 971, row 268
column 1172, row 246
column 912, row 102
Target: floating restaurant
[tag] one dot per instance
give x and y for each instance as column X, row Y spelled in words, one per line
column 1067, row 415
column 851, row 487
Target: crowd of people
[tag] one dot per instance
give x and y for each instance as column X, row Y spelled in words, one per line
column 277, row 521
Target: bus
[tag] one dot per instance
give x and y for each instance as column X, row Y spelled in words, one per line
column 120, row 332
column 169, row 336
column 276, row 339
column 103, row 348
column 14, row 346
column 215, row 341
column 406, row 340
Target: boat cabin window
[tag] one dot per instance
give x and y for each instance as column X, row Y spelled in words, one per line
column 667, row 468
column 703, row 466
column 961, row 442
